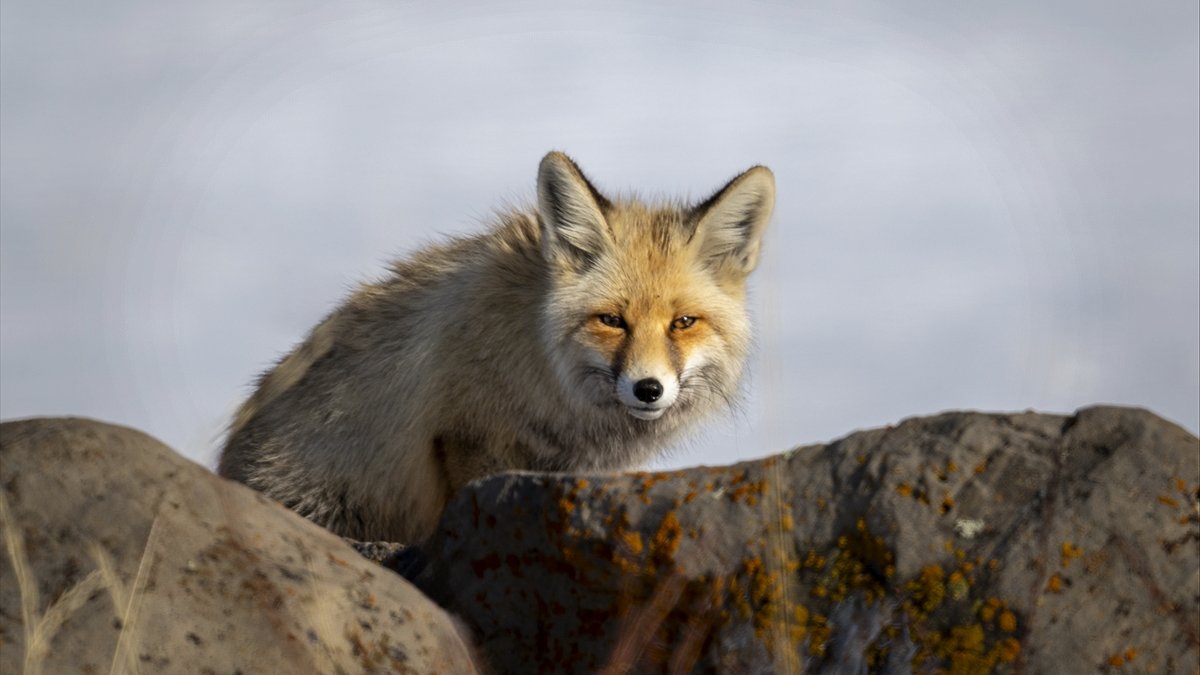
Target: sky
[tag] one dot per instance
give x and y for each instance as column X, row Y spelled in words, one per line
column 989, row 206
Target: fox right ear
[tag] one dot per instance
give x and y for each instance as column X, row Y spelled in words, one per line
column 574, row 231
column 729, row 225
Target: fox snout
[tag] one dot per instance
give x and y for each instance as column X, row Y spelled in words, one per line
column 648, row 390
column 647, row 397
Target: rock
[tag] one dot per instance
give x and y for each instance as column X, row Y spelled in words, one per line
column 122, row 556
column 962, row 542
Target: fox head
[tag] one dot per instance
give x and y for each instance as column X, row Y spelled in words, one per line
column 646, row 310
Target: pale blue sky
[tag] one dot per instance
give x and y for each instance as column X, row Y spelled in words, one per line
column 989, row 206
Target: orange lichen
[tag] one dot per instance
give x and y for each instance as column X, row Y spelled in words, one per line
column 750, row 491
column 666, row 539
column 631, row 540
column 1070, row 552
column 818, row 636
column 783, row 596
column 980, row 467
column 957, row 585
column 1169, row 501
column 1055, row 584
column 927, row 589
column 1009, row 650
column 904, row 489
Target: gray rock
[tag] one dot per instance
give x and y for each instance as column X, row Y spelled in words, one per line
column 961, row 542
column 121, row 556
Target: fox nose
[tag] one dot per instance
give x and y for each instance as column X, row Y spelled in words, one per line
column 648, row 390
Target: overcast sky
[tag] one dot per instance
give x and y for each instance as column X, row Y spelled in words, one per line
column 980, row 205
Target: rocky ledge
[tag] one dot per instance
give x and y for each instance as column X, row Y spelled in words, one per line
column 961, row 542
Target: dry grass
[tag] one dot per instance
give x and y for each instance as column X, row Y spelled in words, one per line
column 321, row 616
column 40, row 627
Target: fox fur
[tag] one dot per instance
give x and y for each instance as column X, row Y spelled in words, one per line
column 580, row 335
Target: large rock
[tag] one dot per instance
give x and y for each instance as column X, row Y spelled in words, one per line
column 121, row 556
column 963, row 542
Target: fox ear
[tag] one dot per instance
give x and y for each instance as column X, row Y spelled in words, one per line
column 729, row 225
column 574, row 231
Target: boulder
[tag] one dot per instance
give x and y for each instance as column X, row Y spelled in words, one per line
column 122, row 556
column 961, row 542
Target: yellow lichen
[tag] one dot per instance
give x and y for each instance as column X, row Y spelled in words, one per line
column 957, row 585
column 1009, row 650
column 1055, row 584
column 1069, row 552
column 666, row 539
column 631, row 540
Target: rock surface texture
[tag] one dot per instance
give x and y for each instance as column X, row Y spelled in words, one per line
column 121, row 556
column 962, row 542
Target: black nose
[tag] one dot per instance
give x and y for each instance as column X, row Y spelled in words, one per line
column 648, row 390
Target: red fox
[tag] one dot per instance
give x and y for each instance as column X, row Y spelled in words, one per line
column 581, row 335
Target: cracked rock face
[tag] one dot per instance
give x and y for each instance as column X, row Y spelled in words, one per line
column 121, row 556
column 962, row 542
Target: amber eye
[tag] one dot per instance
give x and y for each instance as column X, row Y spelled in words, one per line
column 683, row 323
column 611, row 320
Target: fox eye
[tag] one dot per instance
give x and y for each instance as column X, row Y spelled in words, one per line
column 683, row 323
column 611, row 320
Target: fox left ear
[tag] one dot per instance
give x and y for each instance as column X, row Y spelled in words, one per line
column 574, row 230
column 729, row 225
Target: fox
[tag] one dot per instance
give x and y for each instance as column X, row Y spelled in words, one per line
column 579, row 334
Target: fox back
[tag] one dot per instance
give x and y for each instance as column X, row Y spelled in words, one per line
column 581, row 335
